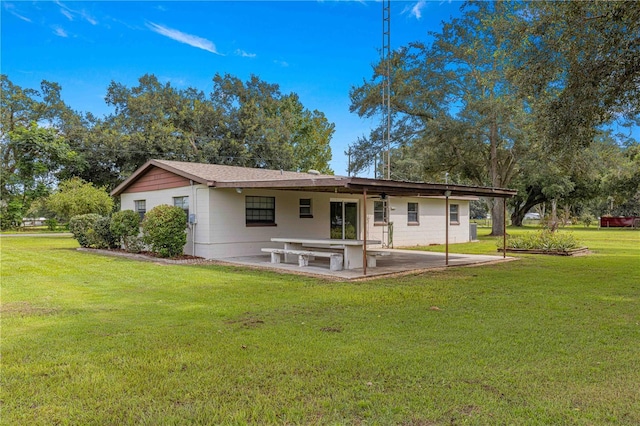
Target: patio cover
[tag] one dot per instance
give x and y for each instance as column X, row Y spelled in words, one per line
column 222, row 176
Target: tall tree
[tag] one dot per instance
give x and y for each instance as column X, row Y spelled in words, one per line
column 264, row 128
column 32, row 157
column 453, row 106
column 145, row 120
column 248, row 124
column 18, row 106
column 546, row 178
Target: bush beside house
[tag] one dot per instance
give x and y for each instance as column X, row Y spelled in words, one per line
column 125, row 227
column 163, row 230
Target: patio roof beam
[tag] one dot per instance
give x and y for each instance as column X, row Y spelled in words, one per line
column 406, row 189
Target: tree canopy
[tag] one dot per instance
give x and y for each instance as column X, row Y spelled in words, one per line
column 511, row 94
column 578, row 66
column 454, row 110
column 248, row 123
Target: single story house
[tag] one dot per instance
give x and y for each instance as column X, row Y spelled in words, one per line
column 235, row 211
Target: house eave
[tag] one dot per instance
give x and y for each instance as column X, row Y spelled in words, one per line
column 327, row 183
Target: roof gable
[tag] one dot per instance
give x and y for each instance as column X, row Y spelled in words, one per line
column 155, row 178
column 214, row 175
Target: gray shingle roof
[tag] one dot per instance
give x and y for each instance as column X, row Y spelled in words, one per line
column 222, row 173
column 221, row 176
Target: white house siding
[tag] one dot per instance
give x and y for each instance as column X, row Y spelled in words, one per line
column 198, row 195
column 431, row 224
column 230, row 236
column 221, row 230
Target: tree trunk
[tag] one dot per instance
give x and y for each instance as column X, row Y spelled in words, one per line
column 553, row 221
column 533, row 199
column 497, row 218
column 517, row 217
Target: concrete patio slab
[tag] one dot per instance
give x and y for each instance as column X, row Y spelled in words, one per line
column 397, row 262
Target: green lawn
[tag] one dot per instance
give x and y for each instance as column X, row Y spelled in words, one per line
column 88, row 339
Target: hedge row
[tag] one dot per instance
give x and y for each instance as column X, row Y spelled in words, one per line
column 543, row 240
column 162, row 231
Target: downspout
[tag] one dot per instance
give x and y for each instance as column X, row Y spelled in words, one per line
column 194, row 192
column 446, row 232
column 364, row 235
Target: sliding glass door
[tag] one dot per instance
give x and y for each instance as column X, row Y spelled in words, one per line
column 344, row 220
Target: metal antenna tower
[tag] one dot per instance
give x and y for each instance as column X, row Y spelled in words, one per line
column 386, row 83
column 387, row 239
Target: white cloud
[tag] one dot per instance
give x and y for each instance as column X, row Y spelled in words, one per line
column 191, row 40
column 244, row 54
column 71, row 14
column 66, row 13
column 88, row 18
column 281, row 63
column 11, row 9
column 416, row 10
column 60, row 32
column 24, row 18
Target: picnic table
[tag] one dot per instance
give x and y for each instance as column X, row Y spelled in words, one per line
column 352, row 250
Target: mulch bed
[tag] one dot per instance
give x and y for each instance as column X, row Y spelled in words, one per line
column 183, row 259
column 573, row 252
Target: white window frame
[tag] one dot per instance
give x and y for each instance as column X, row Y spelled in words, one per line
column 141, row 211
column 380, row 207
column 183, row 203
column 416, row 212
column 306, row 208
column 454, row 214
column 259, row 204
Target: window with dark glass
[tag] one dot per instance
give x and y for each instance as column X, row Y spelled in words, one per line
column 305, row 208
column 454, row 214
column 412, row 213
column 260, row 210
column 141, row 207
column 380, row 212
column 183, row 203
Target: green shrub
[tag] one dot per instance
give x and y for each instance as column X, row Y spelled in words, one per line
column 52, row 224
column 82, row 227
column 125, row 226
column 92, row 230
column 104, row 236
column 163, row 230
column 587, row 219
column 76, row 197
column 135, row 244
column 543, row 240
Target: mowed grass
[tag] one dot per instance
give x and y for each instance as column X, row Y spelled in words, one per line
column 89, row 339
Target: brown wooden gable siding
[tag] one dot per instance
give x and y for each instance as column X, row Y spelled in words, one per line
column 155, row 179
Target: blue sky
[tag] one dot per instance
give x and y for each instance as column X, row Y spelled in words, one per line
column 317, row 49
